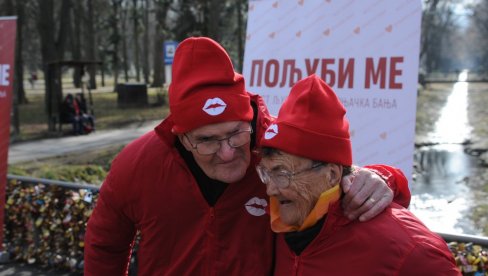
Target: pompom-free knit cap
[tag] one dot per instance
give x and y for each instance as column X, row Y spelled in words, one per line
column 311, row 123
column 205, row 89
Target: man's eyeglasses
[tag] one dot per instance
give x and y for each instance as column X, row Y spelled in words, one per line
column 282, row 178
column 211, row 146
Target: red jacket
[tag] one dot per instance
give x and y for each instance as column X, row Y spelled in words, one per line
column 393, row 243
column 150, row 189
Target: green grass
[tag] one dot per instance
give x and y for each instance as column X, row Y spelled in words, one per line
column 33, row 118
column 88, row 167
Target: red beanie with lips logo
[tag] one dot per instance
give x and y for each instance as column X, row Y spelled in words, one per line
column 311, row 123
column 205, row 89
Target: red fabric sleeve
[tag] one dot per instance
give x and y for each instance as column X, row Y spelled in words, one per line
column 396, row 180
column 109, row 236
column 427, row 259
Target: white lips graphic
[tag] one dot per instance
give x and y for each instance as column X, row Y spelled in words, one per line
column 214, row 106
column 255, row 206
column 271, row 131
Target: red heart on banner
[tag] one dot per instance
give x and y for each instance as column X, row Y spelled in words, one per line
column 389, row 28
column 383, row 135
column 299, row 33
column 326, row 32
column 275, row 4
column 357, row 30
column 301, row 2
column 272, row 35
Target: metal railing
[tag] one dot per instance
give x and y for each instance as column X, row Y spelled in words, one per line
column 64, row 184
column 42, row 214
column 45, row 221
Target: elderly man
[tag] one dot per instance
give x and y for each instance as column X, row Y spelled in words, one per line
column 305, row 154
column 190, row 188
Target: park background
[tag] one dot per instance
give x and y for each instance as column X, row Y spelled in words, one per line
column 121, row 42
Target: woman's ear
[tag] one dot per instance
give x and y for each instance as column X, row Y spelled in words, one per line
column 335, row 173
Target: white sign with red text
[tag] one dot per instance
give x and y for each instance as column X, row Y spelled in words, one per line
column 367, row 51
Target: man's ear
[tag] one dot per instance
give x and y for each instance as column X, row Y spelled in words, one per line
column 335, row 172
column 184, row 142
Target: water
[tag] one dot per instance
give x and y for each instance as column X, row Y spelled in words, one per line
column 452, row 126
column 441, row 197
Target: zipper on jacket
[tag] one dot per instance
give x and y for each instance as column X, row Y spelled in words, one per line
column 296, row 264
column 211, row 215
column 210, row 241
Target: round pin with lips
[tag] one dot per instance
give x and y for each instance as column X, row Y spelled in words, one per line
column 271, row 131
column 214, row 106
column 256, row 206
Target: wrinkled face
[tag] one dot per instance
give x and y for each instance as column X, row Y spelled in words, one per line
column 228, row 164
column 298, row 199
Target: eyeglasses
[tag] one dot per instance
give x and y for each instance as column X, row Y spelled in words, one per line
column 211, row 146
column 282, row 178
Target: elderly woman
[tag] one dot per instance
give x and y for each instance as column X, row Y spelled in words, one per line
column 305, row 154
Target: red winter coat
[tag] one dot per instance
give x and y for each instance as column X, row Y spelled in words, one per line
column 150, row 189
column 393, row 243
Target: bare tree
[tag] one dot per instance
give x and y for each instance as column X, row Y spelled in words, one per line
column 125, row 54
column 479, row 25
column 75, row 40
column 115, row 38
column 90, row 36
column 53, row 46
column 438, row 29
column 161, row 12
column 145, row 44
column 240, row 33
column 135, row 22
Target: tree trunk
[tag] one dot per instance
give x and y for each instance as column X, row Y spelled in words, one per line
column 158, row 78
column 46, row 33
column 240, row 34
column 78, row 18
column 52, row 50
column 136, row 40
column 145, row 67
column 161, row 7
column 125, row 54
column 116, row 38
column 90, row 44
column 213, row 18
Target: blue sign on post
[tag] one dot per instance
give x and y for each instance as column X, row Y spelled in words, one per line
column 169, row 51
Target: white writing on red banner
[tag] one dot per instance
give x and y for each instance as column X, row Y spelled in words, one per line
column 4, row 74
column 380, row 73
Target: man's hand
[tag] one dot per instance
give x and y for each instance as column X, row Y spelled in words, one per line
column 366, row 195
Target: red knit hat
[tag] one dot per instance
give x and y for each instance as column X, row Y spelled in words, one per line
column 205, row 89
column 311, row 123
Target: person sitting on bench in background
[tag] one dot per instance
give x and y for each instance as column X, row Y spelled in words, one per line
column 87, row 120
column 70, row 114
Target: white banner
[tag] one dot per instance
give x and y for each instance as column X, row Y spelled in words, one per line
column 367, row 50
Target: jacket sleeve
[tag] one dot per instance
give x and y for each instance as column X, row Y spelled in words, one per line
column 109, row 235
column 396, row 180
column 427, row 259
